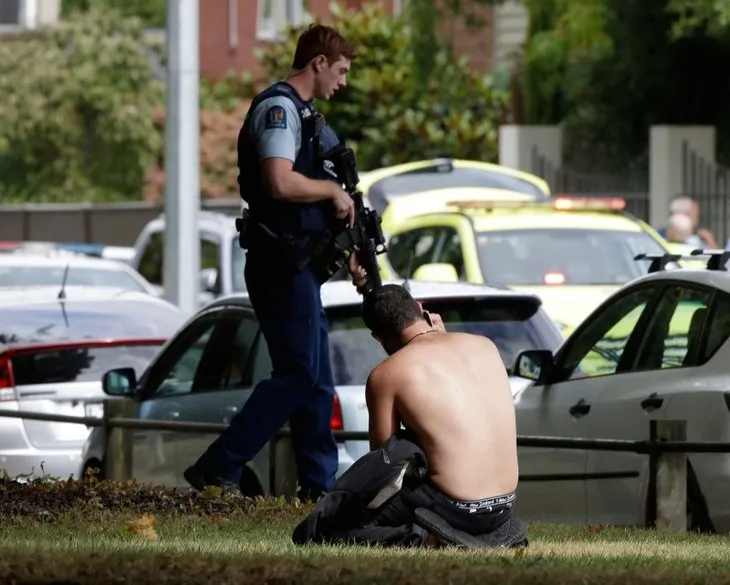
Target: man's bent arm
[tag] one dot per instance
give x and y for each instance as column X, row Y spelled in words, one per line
column 285, row 183
column 276, row 132
column 382, row 415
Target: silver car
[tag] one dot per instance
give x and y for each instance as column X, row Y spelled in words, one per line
column 54, row 350
column 54, row 267
column 208, row 370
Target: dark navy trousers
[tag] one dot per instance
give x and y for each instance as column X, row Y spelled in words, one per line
column 301, row 388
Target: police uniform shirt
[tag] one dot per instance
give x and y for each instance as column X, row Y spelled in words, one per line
column 276, row 129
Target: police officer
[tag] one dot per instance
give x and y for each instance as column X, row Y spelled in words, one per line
column 292, row 197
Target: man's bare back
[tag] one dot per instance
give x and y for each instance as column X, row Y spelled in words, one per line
column 453, row 392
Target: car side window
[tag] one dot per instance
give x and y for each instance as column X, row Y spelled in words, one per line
column 183, row 367
column 238, row 371
column 451, row 252
column 597, row 349
column 674, row 335
column 717, row 326
column 150, row 265
column 420, row 244
column 210, row 255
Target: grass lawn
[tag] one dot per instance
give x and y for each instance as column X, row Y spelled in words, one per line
column 85, row 532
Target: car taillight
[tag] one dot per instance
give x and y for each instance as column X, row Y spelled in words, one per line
column 336, row 420
column 7, row 380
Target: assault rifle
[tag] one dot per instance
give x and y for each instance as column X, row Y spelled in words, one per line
column 330, row 252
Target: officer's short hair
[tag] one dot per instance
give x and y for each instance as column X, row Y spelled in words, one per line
column 320, row 39
column 389, row 309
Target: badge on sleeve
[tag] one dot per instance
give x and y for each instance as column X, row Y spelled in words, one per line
column 276, row 118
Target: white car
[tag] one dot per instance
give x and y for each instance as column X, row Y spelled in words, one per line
column 53, row 352
column 208, row 370
column 656, row 349
column 221, row 258
column 25, row 269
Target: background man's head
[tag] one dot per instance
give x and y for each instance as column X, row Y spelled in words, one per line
column 389, row 311
column 679, row 228
column 324, row 55
column 688, row 206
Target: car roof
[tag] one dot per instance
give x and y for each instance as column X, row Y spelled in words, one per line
column 515, row 219
column 41, row 295
column 214, row 221
column 719, row 279
column 61, row 260
column 342, row 293
column 34, row 315
column 436, row 200
column 376, row 175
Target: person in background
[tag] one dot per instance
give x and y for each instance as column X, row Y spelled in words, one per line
column 700, row 237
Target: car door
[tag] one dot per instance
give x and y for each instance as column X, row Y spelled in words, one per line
column 222, row 384
column 655, row 386
column 161, row 390
column 553, row 484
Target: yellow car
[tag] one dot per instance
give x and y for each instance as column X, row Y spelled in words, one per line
column 572, row 252
column 382, row 186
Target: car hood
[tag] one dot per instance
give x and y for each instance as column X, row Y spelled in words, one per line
column 569, row 305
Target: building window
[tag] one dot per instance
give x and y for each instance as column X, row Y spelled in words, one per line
column 276, row 15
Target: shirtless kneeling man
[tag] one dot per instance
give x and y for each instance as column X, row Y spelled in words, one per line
column 452, row 391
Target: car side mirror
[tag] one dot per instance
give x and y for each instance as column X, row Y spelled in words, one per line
column 534, row 364
column 119, row 382
column 209, row 281
column 436, row 272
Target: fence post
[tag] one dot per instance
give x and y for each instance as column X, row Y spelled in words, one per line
column 668, row 478
column 118, row 442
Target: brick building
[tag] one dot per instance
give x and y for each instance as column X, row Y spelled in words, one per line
column 231, row 29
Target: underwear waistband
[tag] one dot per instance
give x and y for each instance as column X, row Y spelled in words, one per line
column 503, row 501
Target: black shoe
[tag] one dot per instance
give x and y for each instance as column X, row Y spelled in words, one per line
column 200, row 480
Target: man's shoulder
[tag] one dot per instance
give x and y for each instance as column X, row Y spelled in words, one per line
column 382, row 373
column 279, row 111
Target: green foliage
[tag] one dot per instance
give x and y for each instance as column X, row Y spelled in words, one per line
column 607, row 70
column 389, row 115
column 566, row 38
column 76, row 104
column 711, row 16
column 151, row 12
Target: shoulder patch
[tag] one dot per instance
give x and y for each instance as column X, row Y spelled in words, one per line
column 276, row 118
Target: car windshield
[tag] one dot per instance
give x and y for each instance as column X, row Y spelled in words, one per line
column 238, row 260
column 563, row 256
column 512, row 324
column 445, row 176
column 113, row 319
column 53, row 275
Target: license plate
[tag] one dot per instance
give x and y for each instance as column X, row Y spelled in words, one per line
column 94, row 409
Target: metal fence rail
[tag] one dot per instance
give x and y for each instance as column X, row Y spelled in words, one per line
column 666, row 448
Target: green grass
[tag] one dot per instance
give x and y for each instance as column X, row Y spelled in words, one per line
column 81, row 532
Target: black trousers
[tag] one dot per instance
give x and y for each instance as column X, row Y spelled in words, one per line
column 394, row 523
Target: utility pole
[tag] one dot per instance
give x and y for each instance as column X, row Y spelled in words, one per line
column 181, row 279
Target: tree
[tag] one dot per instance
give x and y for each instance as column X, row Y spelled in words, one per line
column 711, row 16
column 387, row 114
column 608, row 69
column 76, row 105
column 152, row 13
